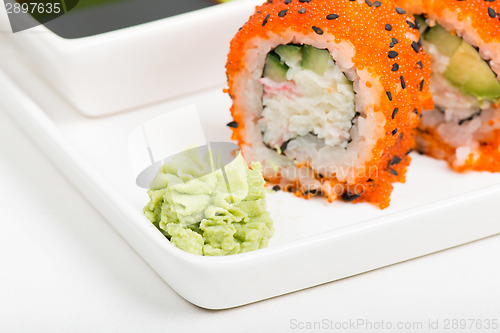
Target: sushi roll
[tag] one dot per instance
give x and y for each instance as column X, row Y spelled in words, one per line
column 327, row 95
column 463, row 39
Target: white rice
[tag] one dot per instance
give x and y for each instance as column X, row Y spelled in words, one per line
column 459, row 120
column 338, row 148
column 312, row 108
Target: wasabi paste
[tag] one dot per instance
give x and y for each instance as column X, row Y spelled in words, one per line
column 209, row 214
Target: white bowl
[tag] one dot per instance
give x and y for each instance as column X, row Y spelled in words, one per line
column 131, row 67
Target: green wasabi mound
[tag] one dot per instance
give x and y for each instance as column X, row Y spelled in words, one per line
column 210, row 214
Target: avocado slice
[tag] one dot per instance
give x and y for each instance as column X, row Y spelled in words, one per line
column 471, row 74
column 290, row 54
column 315, row 59
column 445, row 42
column 274, row 68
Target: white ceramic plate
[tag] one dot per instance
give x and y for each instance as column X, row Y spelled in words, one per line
column 315, row 242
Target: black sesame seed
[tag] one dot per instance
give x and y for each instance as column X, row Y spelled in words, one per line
column 411, row 24
column 491, row 12
column 276, row 188
column 400, row 11
column 415, row 47
column 392, row 171
column 347, row 196
column 304, row 0
column 232, row 124
column 369, row 180
column 395, row 67
column 389, row 95
column 394, row 41
column 265, row 20
column 388, row 27
column 409, row 151
column 368, row 2
column 287, row 2
column 302, row 10
column 422, row 85
column 417, row 24
column 377, row 4
column 395, row 160
column 317, row 30
column 420, row 64
column 289, row 189
column 393, row 54
column 394, row 131
column 282, row 13
column 403, row 84
column 395, row 112
column 313, row 192
column 415, row 111
column 332, row 17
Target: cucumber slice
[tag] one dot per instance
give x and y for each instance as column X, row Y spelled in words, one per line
column 274, row 69
column 445, row 42
column 315, row 59
column 471, row 74
column 290, row 54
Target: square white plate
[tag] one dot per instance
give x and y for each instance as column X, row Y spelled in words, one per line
column 315, row 242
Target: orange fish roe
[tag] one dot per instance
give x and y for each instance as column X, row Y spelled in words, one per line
column 481, row 19
column 385, row 46
column 485, row 158
column 482, row 14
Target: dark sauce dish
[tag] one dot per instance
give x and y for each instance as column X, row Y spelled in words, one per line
column 93, row 17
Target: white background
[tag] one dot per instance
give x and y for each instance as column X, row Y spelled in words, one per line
column 64, row 269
